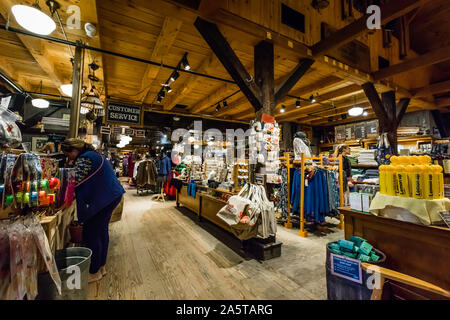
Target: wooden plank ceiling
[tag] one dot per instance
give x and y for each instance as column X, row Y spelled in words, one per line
column 162, row 31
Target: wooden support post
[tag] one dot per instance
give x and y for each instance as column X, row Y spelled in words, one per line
column 341, row 193
column 302, row 232
column 264, row 77
column 76, row 93
column 389, row 114
column 287, row 157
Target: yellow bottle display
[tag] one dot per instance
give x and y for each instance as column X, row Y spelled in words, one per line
column 413, row 177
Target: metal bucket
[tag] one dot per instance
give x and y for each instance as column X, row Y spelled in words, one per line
column 65, row 258
column 342, row 289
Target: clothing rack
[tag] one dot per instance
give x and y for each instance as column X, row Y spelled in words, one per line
column 291, row 164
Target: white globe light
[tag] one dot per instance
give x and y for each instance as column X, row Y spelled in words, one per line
column 67, row 89
column 355, row 111
column 84, row 110
column 33, row 19
column 365, row 113
column 40, row 103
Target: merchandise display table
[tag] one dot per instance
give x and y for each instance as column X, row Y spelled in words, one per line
column 417, row 250
column 421, row 210
column 206, row 206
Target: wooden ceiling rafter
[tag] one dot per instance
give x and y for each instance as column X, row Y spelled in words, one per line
column 432, row 89
column 169, row 31
column 188, row 83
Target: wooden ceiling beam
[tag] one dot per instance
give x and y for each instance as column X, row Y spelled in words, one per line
column 443, row 102
column 212, row 98
column 169, row 31
column 189, row 82
column 389, row 12
column 37, row 49
column 230, row 61
column 425, row 60
column 292, row 79
column 435, row 88
column 306, row 106
column 321, row 84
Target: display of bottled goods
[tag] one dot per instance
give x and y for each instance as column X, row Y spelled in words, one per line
column 412, row 177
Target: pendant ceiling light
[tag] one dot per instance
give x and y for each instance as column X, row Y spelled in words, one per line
column 33, row 19
column 40, row 103
column 355, row 111
column 92, row 102
column 67, row 89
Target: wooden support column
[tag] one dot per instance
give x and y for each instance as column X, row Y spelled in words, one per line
column 442, row 124
column 76, row 94
column 389, row 113
column 264, row 77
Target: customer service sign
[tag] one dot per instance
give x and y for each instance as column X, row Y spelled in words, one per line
column 123, row 113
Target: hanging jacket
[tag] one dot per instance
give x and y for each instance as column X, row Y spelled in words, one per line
column 164, row 166
column 295, row 192
column 97, row 185
column 146, row 174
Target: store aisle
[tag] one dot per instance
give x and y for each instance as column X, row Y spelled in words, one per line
column 158, row 251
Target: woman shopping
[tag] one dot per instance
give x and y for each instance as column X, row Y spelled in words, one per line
column 98, row 192
column 346, row 166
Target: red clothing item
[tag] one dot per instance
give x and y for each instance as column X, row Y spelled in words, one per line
column 170, row 191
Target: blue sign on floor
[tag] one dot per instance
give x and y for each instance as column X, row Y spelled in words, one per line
column 346, row 268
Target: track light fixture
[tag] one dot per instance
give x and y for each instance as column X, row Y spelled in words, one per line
column 343, row 116
column 168, row 88
column 185, row 63
column 162, row 93
column 174, row 76
column 312, row 99
column 218, row 107
column 225, row 104
column 297, row 104
column 283, row 108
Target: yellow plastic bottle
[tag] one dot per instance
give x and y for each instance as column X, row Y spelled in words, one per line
column 410, row 169
column 394, row 160
column 382, row 171
column 417, row 182
column 392, row 180
column 439, row 181
column 428, row 186
column 427, row 159
column 402, row 181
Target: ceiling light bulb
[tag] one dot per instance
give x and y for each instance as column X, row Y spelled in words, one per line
column 355, row 111
column 174, row 76
column 67, row 89
column 40, row 103
column 312, row 99
column 283, row 109
column 297, row 104
column 365, row 113
column 185, row 63
column 33, row 19
column 84, row 110
column 168, row 88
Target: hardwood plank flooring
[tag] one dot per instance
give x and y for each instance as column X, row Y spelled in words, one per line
column 158, row 251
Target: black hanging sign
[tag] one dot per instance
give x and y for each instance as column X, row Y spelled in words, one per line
column 123, row 113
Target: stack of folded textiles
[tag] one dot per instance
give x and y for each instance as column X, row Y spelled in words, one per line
column 367, row 157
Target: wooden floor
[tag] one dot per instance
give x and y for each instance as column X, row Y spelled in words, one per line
column 158, row 251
